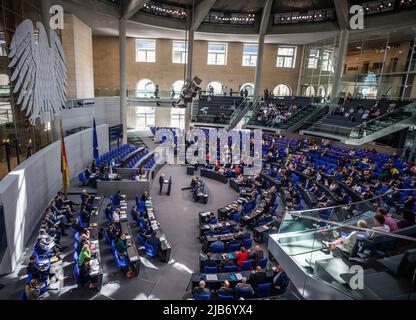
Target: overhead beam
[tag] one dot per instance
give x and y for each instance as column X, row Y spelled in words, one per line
column 265, row 17
column 130, row 7
column 201, row 11
column 342, row 8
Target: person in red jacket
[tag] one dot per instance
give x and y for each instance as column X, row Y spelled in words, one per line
column 241, row 256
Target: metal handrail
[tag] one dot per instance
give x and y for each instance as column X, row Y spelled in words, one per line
column 363, row 124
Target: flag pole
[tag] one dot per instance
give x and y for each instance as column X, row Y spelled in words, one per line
column 62, row 160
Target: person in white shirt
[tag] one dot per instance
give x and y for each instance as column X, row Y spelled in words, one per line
column 380, row 225
column 347, row 243
column 116, row 215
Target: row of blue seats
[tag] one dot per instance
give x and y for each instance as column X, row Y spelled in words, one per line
column 261, row 291
column 149, row 164
column 246, row 266
column 233, row 246
column 117, row 154
column 132, row 162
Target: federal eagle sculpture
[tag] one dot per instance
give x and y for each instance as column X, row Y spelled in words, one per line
column 39, row 72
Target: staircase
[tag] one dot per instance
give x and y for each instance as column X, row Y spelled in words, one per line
column 296, row 121
column 240, row 113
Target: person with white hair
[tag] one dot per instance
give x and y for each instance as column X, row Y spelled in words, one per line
column 346, row 243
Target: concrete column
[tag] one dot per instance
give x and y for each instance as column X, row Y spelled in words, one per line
column 300, row 76
column 339, row 66
column 189, row 61
column 123, row 77
column 45, row 6
column 259, row 63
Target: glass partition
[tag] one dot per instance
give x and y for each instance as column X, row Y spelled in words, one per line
column 352, row 257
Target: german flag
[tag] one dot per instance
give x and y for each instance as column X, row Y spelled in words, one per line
column 64, row 164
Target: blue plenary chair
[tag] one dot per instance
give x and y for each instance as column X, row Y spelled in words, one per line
column 150, row 251
column 263, row 263
column 247, row 265
column 83, row 179
column 247, row 243
column 243, row 293
column 231, row 269
column 236, row 216
column 121, row 262
column 208, row 269
column 224, row 297
column 264, row 289
column 202, row 296
column 140, row 240
column 233, row 247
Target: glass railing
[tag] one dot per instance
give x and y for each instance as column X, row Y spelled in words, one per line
column 18, row 141
column 246, row 103
column 383, row 121
column 342, row 248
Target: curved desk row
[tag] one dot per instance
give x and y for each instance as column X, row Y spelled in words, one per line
column 213, row 175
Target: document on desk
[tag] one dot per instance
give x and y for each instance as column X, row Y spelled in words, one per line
column 212, row 277
column 239, row 276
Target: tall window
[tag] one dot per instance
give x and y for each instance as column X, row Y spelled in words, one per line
column 145, row 88
column 326, row 62
column 177, row 118
column 313, row 59
column 176, row 89
column 3, row 46
column 217, row 53
column 179, row 52
column 286, row 57
column 249, row 55
column 282, row 90
column 145, row 50
column 145, row 117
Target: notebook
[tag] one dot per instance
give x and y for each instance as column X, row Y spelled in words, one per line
column 211, row 277
column 239, row 276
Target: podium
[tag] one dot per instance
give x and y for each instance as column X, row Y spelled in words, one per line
column 169, row 183
column 190, row 170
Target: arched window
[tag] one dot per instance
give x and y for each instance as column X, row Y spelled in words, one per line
column 310, row 91
column 216, row 85
column 282, row 90
column 322, row 91
column 145, row 88
column 176, row 88
column 249, row 87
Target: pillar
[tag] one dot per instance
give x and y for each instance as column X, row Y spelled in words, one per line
column 123, row 78
column 339, row 66
column 259, row 63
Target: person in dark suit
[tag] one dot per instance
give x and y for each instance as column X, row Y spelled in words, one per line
column 280, row 281
column 201, row 288
column 257, row 255
column 209, row 262
column 227, row 262
column 225, row 290
column 161, row 181
column 257, row 277
column 33, row 268
column 154, row 241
